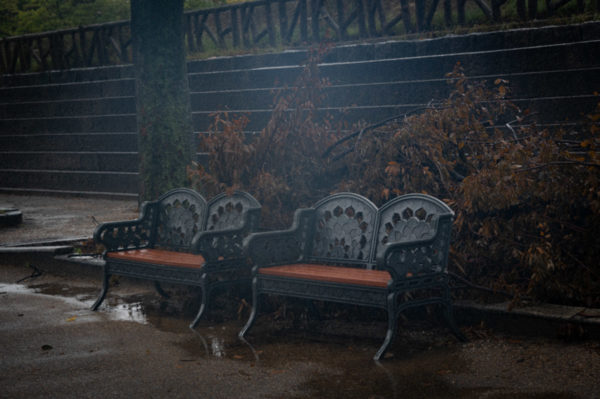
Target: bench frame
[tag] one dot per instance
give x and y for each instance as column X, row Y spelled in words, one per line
column 408, row 238
column 181, row 221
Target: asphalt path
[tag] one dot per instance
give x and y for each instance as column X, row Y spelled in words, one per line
column 53, row 346
column 139, row 345
column 48, row 218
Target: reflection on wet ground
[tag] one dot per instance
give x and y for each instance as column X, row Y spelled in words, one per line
column 424, row 362
column 82, row 297
column 344, row 361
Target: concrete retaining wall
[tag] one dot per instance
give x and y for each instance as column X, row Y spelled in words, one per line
column 75, row 131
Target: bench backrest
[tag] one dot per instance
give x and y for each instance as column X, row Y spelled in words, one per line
column 417, row 217
column 349, row 229
column 343, row 229
column 227, row 211
column 181, row 214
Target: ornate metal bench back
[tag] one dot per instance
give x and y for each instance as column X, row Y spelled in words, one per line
column 344, row 228
column 414, row 217
column 227, row 211
column 181, row 214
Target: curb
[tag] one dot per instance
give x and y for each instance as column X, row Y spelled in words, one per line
column 547, row 311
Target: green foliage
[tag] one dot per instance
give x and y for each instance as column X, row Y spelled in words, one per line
column 527, row 200
column 201, row 4
column 29, row 16
column 19, row 17
column 282, row 167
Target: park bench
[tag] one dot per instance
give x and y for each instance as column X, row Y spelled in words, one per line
column 182, row 239
column 346, row 250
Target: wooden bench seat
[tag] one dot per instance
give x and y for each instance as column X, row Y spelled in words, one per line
column 160, row 257
column 332, row 274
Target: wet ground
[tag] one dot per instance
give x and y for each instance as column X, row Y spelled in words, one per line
column 47, row 218
column 139, row 345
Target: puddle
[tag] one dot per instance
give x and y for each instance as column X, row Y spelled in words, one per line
column 127, row 312
column 143, row 309
column 15, row 289
column 81, row 298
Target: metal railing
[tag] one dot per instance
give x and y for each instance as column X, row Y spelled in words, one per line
column 268, row 23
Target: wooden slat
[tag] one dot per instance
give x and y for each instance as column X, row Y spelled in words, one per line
column 333, row 274
column 160, row 257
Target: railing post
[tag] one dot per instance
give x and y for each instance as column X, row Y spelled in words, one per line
column 371, row 9
column 220, row 36
column 496, row 11
column 360, row 15
column 24, row 55
column 200, row 28
column 269, row 21
column 521, row 11
column 315, row 8
column 56, row 53
column 189, row 32
column 235, row 28
column 460, row 4
column 12, row 50
column 283, row 20
column 341, row 19
column 303, row 21
column 3, row 64
column 532, row 9
column 405, row 7
column 245, row 14
column 448, row 12
column 420, row 15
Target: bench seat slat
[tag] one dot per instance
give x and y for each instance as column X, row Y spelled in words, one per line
column 334, row 274
column 160, row 257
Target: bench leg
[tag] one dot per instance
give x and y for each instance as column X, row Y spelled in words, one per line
column 160, row 290
column 105, row 284
column 449, row 316
column 392, row 325
column 254, row 311
column 203, row 305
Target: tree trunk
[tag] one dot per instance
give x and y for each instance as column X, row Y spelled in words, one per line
column 162, row 96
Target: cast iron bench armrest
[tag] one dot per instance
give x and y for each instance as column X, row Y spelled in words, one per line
column 279, row 247
column 415, row 258
column 221, row 246
column 128, row 234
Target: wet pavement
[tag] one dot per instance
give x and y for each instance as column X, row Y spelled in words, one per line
column 139, row 345
column 47, row 218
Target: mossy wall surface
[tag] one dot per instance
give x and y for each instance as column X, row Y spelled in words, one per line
column 163, row 106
